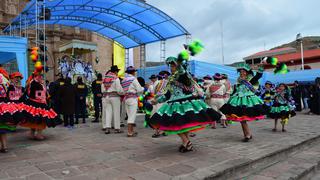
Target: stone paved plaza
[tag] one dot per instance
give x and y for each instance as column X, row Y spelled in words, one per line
column 86, row 153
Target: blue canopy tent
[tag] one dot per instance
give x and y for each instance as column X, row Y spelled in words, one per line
column 15, row 48
column 131, row 23
column 301, row 76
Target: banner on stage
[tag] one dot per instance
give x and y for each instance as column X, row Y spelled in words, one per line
column 119, row 58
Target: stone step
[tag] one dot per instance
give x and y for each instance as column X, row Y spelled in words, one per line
column 245, row 168
column 316, row 176
column 302, row 165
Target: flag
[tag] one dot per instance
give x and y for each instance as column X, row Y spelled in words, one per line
column 119, row 58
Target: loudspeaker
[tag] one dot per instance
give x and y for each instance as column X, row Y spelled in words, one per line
column 46, row 13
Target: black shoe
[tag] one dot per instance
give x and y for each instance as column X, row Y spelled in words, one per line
column 155, row 135
column 95, row 121
column 77, row 122
column 187, row 148
column 3, row 150
column 122, row 125
column 247, row 139
column 104, row 129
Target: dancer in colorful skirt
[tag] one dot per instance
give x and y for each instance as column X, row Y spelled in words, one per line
column 38, row 115
column 283, row 107
column 267, row 94
column 243, row 104
column 15, row 90
column 183, row 110
column 7, row 122
column 16, row 95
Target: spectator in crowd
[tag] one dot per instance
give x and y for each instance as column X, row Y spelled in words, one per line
column 297, row 95
column 315, row 99
column 305, row 97
column 97, row 97
column 81, row 95
column 67, row 92
column 54, row 98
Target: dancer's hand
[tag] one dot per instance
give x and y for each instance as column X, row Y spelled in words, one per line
column 153, row 102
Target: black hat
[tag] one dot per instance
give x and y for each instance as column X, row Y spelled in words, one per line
column 114, row 68
column 99, row 76
column 153, row 76
column 207, row 77
column 130, row 69
column 217, row 76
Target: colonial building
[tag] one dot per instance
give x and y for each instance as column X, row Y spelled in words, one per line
column 58, row 35
column 290, row 54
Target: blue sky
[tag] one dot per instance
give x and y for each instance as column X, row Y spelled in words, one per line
column 249, row 26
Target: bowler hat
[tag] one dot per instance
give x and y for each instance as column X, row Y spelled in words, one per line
column 114, row 68
column 153, row 76
column 130, row 69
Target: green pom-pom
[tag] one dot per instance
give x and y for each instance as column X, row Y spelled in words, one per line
column 271, row 60
column 145, row 124
column 274, row 61
column 195, row 47
column 183, row 55
column 141, row 98
column 281, row 69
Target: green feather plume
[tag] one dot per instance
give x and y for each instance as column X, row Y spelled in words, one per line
column 183, row 55
column 271, row 60
column 281, row 69
column 195, row 47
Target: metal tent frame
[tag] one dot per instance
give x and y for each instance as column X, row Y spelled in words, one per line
column 131, row 23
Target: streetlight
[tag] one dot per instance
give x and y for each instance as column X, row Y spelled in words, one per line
column 299, row 38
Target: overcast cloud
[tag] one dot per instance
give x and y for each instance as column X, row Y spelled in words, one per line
column 249, row 26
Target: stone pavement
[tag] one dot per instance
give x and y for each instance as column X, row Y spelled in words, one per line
column 86, row 153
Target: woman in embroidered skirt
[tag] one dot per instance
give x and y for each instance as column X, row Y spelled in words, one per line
column 37, row 115
column 243, row 104
column 283, row 107
column 183, row 110
column 7, row 111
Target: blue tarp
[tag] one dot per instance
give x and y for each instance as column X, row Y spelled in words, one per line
column 301, row 76
column 201, row 69
column 131, row 23
column 15, row 48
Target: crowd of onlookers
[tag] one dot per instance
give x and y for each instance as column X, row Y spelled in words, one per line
column 307, row 96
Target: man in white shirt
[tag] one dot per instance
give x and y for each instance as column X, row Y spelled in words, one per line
column 131, row 88
column 215, row 95
column 227, row 84
column 153, row 80
column 158, row 90
column 111, row 101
